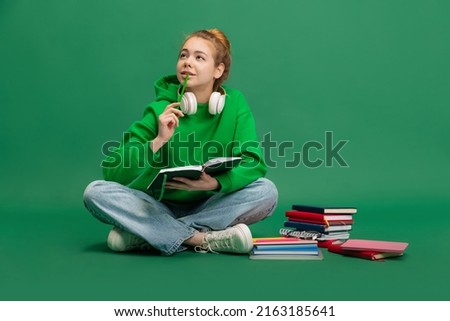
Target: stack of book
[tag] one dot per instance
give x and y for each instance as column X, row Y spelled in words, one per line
column 284, row 248
column 319, row 223
column 368, row 249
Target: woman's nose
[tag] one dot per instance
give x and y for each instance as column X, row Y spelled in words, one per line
column 187, row 62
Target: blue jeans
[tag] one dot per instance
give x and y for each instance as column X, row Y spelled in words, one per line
column 165, row 226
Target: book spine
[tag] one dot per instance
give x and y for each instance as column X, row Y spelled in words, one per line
column 277, row 252
column 314, row 235
column 325, row 222
column 272, row 247
column 309, row 209
column 360, row 254
column 308, row 216
column 306, row 235
column 324, row 210
column 305, row 227
column 317, row 216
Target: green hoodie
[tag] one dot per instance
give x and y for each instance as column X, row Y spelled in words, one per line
column 198, row 137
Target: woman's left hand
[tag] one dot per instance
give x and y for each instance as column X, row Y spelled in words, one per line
column 204, row 183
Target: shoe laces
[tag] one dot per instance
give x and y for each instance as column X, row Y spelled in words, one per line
column 204, row 248
column 215, row 241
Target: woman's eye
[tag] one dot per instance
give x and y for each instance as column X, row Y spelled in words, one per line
column 200, row 58
column 182, row 55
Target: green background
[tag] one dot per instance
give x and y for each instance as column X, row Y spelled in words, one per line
column 75, row 74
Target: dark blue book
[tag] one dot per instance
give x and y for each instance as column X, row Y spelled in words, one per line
column 294, row 247
column 317, row 227
column 324, row 210
column 287, row 251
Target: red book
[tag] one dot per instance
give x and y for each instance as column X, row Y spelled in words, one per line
column 319, row 218
column 280, row 240
column 373, row 245
column 326, row 243
column 368, row 255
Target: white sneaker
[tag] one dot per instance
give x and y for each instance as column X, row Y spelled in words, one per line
column 121, row 241
column 235, row 239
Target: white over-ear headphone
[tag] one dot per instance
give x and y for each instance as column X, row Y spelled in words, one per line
column 188, row 103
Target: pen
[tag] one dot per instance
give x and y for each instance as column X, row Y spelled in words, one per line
column 184, row 87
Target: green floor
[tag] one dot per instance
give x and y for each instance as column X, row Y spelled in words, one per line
column 60, row 254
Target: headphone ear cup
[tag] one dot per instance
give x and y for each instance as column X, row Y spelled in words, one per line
column 188, row 104
column 216, row 103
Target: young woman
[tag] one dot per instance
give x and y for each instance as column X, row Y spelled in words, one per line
column 209, row 214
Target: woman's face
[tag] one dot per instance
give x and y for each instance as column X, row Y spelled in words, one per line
column 196, row 59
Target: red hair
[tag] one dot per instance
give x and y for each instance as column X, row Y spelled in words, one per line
column 223, row 50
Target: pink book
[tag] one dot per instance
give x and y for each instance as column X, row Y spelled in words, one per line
column 281, row 240
column 373, row 245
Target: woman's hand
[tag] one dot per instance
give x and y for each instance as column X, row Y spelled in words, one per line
column 167, row 122
column 204, row 183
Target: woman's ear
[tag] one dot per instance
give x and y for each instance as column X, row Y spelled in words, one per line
column 219, row 70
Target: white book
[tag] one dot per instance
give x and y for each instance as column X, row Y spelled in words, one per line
column 285, row 257
column 212, row 167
